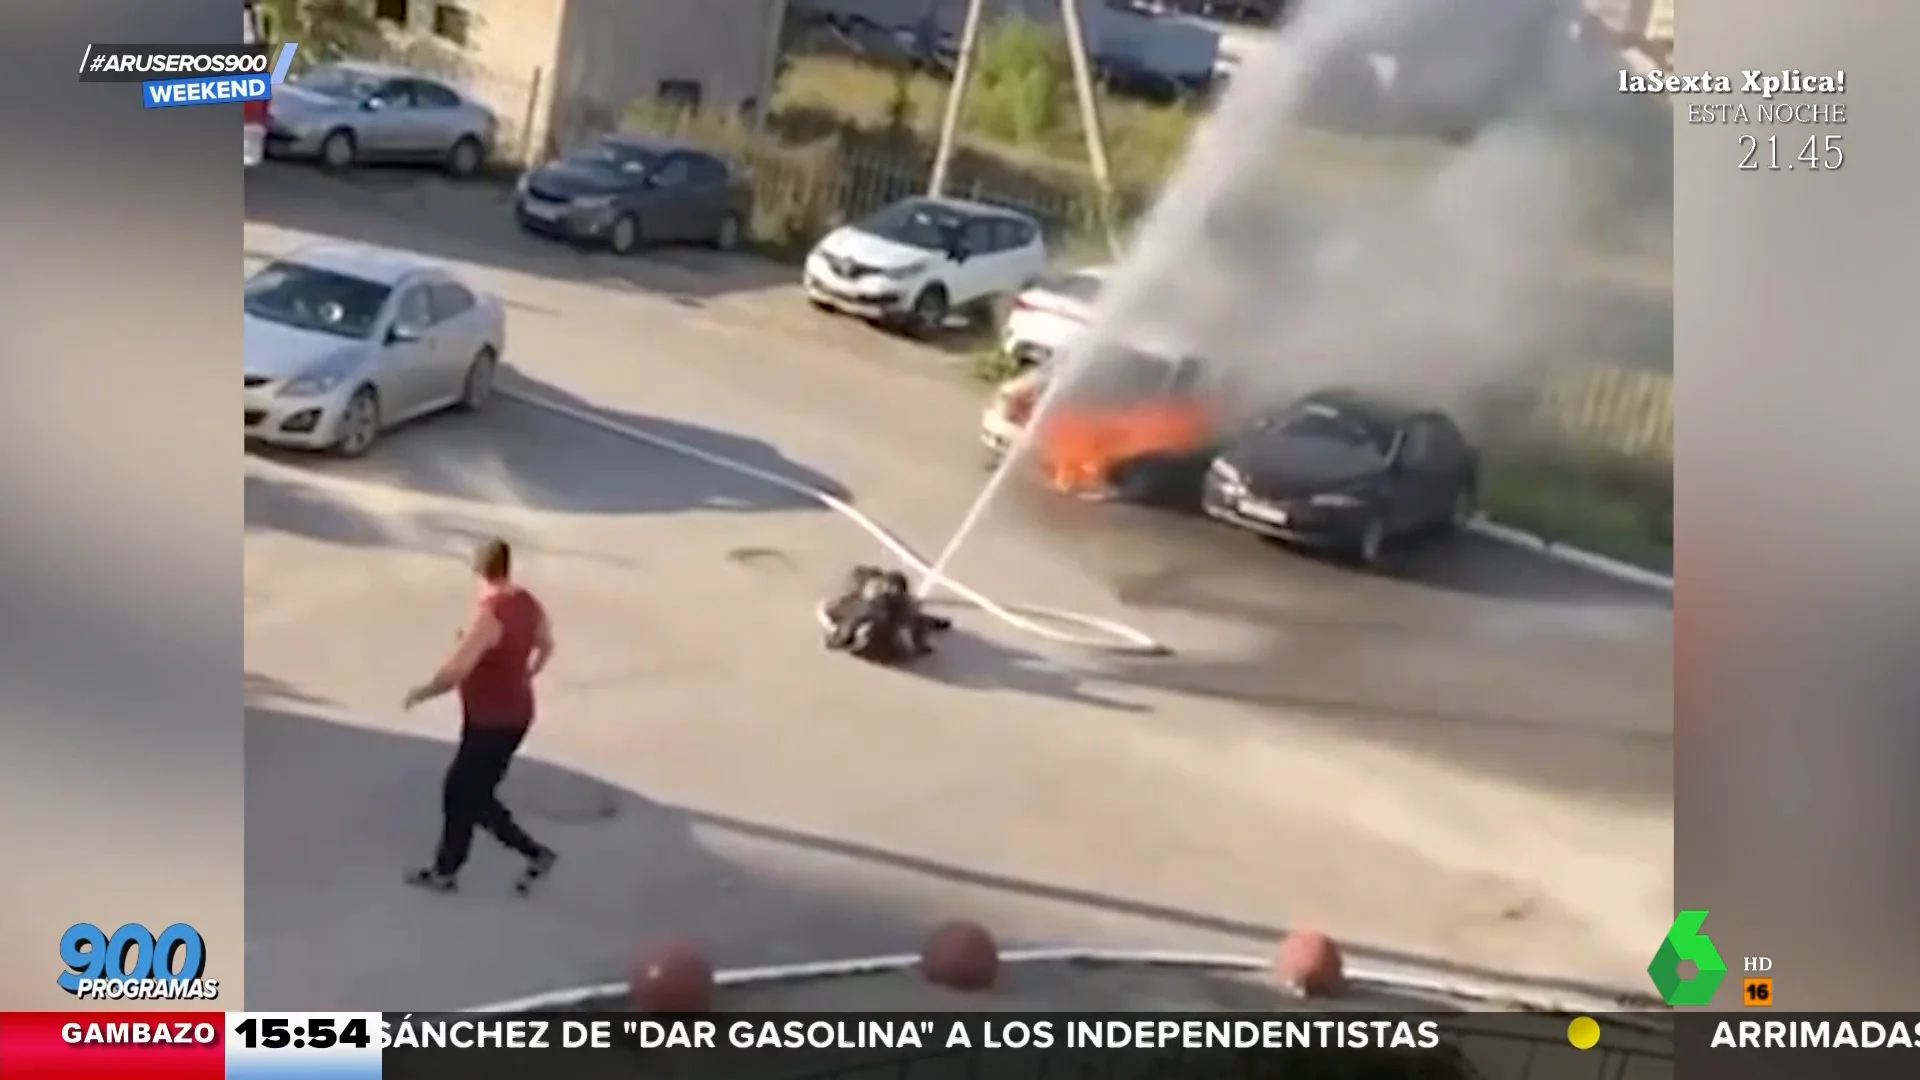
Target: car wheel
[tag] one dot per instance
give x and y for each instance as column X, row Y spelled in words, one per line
column 359, row 424
column 727, row 236
column 479, row 383
column 466, row 157
column 624, row 237
column 338, row 150
column 1466, row 508
column 929, row 314
column 1373, row 543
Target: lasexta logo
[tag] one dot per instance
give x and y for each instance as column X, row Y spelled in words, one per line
column 1685, row 942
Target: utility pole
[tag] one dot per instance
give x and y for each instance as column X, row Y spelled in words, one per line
column 957, row 96
column 769, row 80
column 1084, row 93
column 1090, row 126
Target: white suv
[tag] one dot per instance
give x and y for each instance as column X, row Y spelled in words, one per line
column 921, row 260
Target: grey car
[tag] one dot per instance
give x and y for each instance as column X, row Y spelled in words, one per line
column 347, row 113
column 342, row 343
column 624, row 191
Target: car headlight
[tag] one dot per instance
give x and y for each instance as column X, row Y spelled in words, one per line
column 313, row 384
column 902, row 273
column 1337, row 501
column 593, row 202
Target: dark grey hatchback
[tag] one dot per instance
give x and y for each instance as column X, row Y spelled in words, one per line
column 625, row 192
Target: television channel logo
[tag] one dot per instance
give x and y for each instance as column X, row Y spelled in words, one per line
column 133, row 964
column 1684, row 942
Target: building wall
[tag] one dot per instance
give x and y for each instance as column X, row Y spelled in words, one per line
column 1660, row 22
column 613, row 53
column 506, row 62
column 555, row 70
column 514, row 45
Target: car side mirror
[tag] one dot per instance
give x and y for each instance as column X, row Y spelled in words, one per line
column 373, row 104
column 959, row 252
column 401, row 335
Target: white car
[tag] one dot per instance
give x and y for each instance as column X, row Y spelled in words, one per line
column 342, row 343
column 253, row 144
column 1049, row 314
column 921, row 260
column 1008, row 411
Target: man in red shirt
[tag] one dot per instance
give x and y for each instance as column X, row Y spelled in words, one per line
column 507, row 643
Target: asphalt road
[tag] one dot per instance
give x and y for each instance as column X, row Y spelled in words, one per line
column 1485, row 730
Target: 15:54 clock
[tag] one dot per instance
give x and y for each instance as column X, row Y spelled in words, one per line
column 317, row 1032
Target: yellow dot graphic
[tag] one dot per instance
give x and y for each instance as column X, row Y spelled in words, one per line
column 1583, row 1033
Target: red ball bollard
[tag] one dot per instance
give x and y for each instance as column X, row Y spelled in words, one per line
column 674, row 977
column 1310, row 963
column 961, row 956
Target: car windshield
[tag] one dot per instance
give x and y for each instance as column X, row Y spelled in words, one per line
column 339, row 81
column 1324, row 424
column 617, row 157
column 312, row 299
column 919, row 223
column 1075, row 286
column 1120, row 374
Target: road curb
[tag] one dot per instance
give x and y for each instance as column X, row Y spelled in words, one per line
column 1573, row 556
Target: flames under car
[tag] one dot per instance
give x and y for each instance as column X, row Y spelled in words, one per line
column 1134, row 426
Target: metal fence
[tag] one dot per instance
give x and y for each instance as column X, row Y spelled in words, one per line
column 1618, row 411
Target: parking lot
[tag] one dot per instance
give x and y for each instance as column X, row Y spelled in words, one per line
column 1470, row 759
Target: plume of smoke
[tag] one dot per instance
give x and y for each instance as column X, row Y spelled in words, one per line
column 1437, row 280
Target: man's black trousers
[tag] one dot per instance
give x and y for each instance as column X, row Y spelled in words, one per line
column 469, row 798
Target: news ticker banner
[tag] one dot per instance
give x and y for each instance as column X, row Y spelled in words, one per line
column 406, row 1046
column 171, row 76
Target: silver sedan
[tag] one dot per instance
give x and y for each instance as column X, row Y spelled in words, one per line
column 351, row 113
column 343, row 343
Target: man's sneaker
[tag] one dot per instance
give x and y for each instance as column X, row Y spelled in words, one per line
column 426, row 877
column 537, row 867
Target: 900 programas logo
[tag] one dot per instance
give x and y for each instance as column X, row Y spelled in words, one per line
column 135, row 965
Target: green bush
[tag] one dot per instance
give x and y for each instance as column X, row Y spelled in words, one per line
column 993, row 366
column 326, row 29
column 1023, row 83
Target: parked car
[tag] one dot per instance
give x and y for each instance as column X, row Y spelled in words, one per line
column 349, row 113
column 1345, row 471
column 923, row 259
column 1133, row 424
column 624, row 192
column 253, row 114
column 1048, row 314
column 343, row 343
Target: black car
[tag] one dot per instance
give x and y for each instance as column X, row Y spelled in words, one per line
column 1347, row 472
column 623, row 192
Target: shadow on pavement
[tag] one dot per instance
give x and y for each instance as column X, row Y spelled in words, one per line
column 518, row 456
column 297, row 506
column 473, row 222
column 1183, row 542
column 336, row 812
column 1492, row 658
column 969, row 661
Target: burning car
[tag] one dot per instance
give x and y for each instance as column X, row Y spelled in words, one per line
column 1131, row 424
